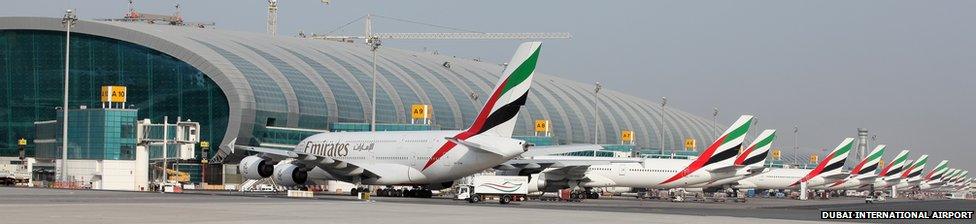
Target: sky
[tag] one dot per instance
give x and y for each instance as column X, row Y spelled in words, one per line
column 902, row 69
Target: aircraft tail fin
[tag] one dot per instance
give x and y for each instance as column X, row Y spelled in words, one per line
column 724, row 150
column 832, row 164
column 896, row 165
column 721, row 153
column 498, row 115
column 870, row 163
column 938, row 171
column 757, row 152
column 914, row 172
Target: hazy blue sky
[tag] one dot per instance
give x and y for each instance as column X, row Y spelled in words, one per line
column 903, row 69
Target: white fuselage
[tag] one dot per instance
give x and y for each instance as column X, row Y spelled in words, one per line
column 886, row 181
column 399, row 158
column 908, row 183
column 650, row 173
column 731, row 177
column 781, row 178
column 853, row 183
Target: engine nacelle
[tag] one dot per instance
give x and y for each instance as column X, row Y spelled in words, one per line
column 255, row 167
column 537, row 182
column 290, row 175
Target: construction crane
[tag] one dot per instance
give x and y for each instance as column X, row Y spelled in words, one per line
column 374, row 38
column 273, row 16
column 374, row 41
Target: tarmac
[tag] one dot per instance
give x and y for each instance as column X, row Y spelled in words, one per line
column 33, row 205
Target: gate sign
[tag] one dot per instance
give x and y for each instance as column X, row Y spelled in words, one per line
column 776, row 154
column 541, row 125
column 689, row 143
column 113, row 94
column 814, row 158
column 627, row 135
column 420, row 111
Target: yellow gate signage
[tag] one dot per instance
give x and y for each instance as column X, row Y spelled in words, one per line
column 627, row 135
column 689, row 143
column 420, row 111
column 541, row 125
column 113, row 94
column 881, row 163
column 814, row 158
column 22, row 142
column 776, row 154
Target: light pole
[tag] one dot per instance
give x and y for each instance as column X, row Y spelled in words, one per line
column 796, row 149
column 715, row 120
column 68, row 21
column 596, row 123
column 664, row 103
column 374, row 44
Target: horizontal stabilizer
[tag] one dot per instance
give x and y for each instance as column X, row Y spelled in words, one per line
column 475, row 146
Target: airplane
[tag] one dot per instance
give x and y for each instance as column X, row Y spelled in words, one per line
column 716, row 161
column 827, row 171
column 863, row 173
column 957, row 181
column 913, row 175
column 890, row 174
column 933, row 178
column 750, row 162
column 432, row 159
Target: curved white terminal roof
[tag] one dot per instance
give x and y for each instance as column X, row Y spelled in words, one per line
column 305, row 83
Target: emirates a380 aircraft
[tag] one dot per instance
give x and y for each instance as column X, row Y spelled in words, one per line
column 912, row 176
column 750, row 162
column 934, row 178
column 829, row 170
column 426, row 158
column 715, row 162
column 891, row 174
column 863, row 174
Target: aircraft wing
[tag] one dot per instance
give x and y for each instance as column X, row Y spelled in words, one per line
column 337, row 168
column 559, row 149
column 277, row 154
column 549, row 163
column 836, row 176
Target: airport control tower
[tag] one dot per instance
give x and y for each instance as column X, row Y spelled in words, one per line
column 862, row 144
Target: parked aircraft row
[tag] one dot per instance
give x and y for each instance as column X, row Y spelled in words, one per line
column 434, row 159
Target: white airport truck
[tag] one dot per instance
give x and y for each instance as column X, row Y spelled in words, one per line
column 504, row 189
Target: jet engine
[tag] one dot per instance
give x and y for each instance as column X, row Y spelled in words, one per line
column 255, row 167
column 537, row 182
column 290, row 175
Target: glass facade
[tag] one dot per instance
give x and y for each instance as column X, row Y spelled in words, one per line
column 285, row 78
column 32, row 71
column 96, row 134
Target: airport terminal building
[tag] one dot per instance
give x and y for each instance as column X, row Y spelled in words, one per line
column 256, row 88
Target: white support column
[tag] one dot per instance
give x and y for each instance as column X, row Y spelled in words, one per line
column 894, row 191
column 803, row 191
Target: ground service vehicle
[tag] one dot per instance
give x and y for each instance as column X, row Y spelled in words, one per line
column 505, row 189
